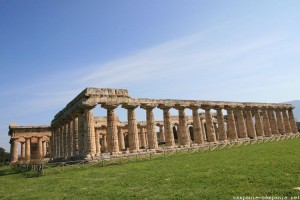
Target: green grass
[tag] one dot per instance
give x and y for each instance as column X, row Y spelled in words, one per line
column 266, row 169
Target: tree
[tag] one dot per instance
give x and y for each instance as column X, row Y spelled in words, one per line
column 4, row 156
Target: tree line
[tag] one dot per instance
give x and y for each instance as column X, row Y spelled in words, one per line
column 4, row 156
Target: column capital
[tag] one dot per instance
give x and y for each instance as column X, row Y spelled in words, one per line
column 194, row 106
column 141, row 125
column 229, row 107
column 148, row 106
column 165, row 106
column 180, row 106
column 206, row 107
column 160, row 124
column 130, row 105
column 218, row 107
column 109, row 105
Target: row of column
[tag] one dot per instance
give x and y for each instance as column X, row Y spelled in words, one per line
column 77, row 137
column 26, row 149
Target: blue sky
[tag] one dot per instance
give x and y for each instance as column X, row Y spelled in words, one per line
column 207, row 50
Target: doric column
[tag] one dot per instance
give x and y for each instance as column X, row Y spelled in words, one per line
column 249, row 123
column 27, row 149
column 242, row 131
column 97, row 141
column 75, row 135
column 151, row 127
column 258, row 122
column 112, row 129
column 23, row 150
column 266, row 122
column 14, row 149
column 142, row 135
column 169, row 136
column 66, row 139
column 121, row 138
column 292, row 120
column 272, row 120
column 62, row 142
column 211, row 135
column 184, row 137
column 89, row 133
column 133, row 136
column 70, row 137
column 44, row 148
column 81, row 133
column 197, row 129
column 40, row 148
column 279, row 121
column 104, row 146
column 231, row 126
column 221, row 124
column 286, row 122
column 57, row 132
column 161, row 132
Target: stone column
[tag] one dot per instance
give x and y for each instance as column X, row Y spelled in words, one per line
column 23, row 150
column 286, row 122
column 279, row 121
column 169, row 136
column 142, row 136
column 231, row 126
column 161, row 132
column 242, row 131
column 27, row 149
column 62, row 142
column 81, row 134
column 267, row 128
column 104, row 143
column 292, row 120
column 70, row 137
column 121, row 138
column 112, row 129
column 249, row 123
column 75, row 135
column 132, row 127
column 151, row 127
column 40, row 148
column 89, row 133
column 14, row 149
column 97, row 141
column 183, row 131
column 211, row 135
column 272, row 120
column 197, row 129
column 44, row 148
column 66, row 139
column 221, row 124
column 258, row 122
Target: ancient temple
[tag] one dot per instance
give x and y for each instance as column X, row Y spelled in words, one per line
column 77, row 134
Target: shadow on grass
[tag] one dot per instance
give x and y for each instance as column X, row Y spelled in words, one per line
column 10, row 171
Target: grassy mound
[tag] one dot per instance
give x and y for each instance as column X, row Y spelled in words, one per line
column 266, row 169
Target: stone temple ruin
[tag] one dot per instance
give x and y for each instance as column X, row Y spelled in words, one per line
column 76, row 134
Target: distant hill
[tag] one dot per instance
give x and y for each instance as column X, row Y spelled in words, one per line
column 296, row 103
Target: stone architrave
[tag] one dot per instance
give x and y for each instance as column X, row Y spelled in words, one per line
column 89, row 133
column 112, row 129
column 27, row 149
column 221, row 124
column 151, row 127
column 249, row 123
column 81, row 134
column 133, row 136
column 169, row 136
column 121, row 138
column 231, row 126
column 183, row 131
column 242, row 131
column 266, row 122
column 211, row 134
column 273, row 122
column 292, row 120
column 197, row 128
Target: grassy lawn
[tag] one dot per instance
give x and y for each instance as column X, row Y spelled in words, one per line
column 266, row 169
